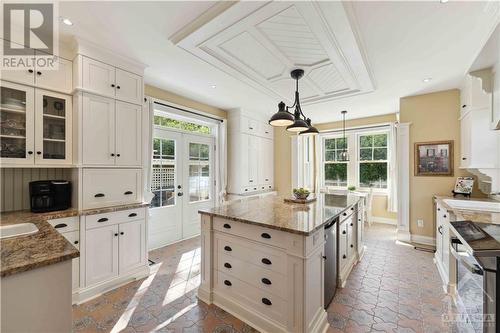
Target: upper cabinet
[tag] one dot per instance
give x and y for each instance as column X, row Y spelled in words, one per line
column 102, row 79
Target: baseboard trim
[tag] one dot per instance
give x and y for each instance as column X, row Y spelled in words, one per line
column 403, row 236
column 384, row 220
column 423, row 239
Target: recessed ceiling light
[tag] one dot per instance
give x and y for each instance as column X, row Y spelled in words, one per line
column 213, row 86
column 443, row 1
column 66, row 20
column 427, row 79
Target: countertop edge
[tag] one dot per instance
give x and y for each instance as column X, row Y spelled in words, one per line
column 25, row 268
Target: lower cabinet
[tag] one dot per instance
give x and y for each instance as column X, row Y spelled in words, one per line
column 350, row 242
column 442, row 254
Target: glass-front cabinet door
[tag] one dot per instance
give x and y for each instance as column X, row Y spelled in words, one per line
column 16, row 123
column 52, row 128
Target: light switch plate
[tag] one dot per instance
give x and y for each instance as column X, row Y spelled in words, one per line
column 420, row 223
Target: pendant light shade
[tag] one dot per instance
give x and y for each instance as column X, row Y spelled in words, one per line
column 344, row 155
column 282, row 117
column 299, row 125
column 311, row 130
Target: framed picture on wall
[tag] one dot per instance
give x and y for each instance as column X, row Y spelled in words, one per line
column 434, row 158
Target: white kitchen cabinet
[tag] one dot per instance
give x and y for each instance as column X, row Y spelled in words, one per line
column 132, row 246
column 128, row 137
column 58, row 80
column 98, row 77
column 101, row 254
column 442, row 254
column 253, row 150
column 266, row 163
column 26, row 76
column 98, row 130
column 129, row 87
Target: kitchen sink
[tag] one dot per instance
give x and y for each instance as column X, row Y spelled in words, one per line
column 15, row 230
column 473, row 205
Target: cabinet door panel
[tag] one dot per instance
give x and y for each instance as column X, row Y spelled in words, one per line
column 101, row 254
column 98, row 77
column 25, row 76
column 98, row 127
column 132, row 245
column 253, row 161
column 128, row 87
column 128, row 134
column 17, row 130
column 342, row 254
column 59, row 80
column 465, row 140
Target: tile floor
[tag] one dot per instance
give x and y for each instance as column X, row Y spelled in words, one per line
column 393, row 289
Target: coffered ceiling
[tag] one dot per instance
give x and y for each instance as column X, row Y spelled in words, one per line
column 259, row 43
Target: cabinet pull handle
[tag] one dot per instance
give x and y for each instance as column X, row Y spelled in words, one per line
column 251, row 180
column 99, row 195
column 343, row 232
column 128, row 192
column 39, row 73
column 122, row 233
column 228, row 248
column 439, row 209
column 464, row 158
column 266, row 301
column 30, row 152
column 228, row 265
column 344, row 256
column 118, row 155
column 345, row 214
column 228, row 283
column 265, row 235
column 30, row 71
column 251, row 128
column 267, row 179
column 117, row 87
column 255, row 188
column 112, row 154
column 444, row 215
column 102, row 219
column 352, row 208
column 352, row 245
column 75, row 242
column 227, row 226
column 351, row 224
column 38, row 152
column 465, row 105
column 440, row 229
column 266, row 261
column 132, row 215
column 246, row 190
column 60, row 225
column 112, row 85
column 116, row 234
column 266, row 281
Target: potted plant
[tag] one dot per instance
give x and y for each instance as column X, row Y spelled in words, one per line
column 301, row 193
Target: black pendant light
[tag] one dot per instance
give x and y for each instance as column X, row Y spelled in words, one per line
column 344, row 155
column 295, row 122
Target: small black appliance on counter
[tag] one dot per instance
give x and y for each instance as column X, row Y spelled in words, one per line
column 50, row 195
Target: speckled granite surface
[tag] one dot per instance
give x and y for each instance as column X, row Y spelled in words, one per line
column 47, row 246
column 272, row 212
column 470, row 215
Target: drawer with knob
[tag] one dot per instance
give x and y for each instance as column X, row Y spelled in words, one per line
column 260, row 278
column 261, row 301
column 66, row 224
column 260, row 255
column 100, row 220
column 259, row 234
column 73, row 237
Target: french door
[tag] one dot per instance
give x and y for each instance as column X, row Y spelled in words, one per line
column 182, row 183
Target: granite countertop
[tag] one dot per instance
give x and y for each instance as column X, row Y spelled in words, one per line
column 272, row 212
column 470, row 215
column 45, row 247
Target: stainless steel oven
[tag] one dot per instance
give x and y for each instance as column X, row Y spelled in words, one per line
column 476, row 290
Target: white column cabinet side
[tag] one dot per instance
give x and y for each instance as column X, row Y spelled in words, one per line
column 128, row 129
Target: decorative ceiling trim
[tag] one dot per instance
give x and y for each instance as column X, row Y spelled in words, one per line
column 259, row 43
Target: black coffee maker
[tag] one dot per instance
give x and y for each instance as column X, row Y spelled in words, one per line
column 50, row 195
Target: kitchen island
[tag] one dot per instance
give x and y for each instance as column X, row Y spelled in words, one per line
column 263, row 259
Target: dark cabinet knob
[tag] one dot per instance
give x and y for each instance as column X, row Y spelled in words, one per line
column 345, row 214
column 112, row 154
column 439, row 209
column 99, row 195
column 30, row 152
column 266, row 261
column 464, row 158
column 103, row 219
column 179, row 187
column 38, row 152
column 117, row 155
column 75, row 242
column 112, row 85
column 444, row 215
column 228, row 248
column 352, row 245
column 60, row 225
column 266, row 301
column 266, row 281
column 228, row 283
column 251, row 180
column 228, row 265
column 343, row 232
column 122, row 233
column 465, row 105
column 344, row 256
column 180, row 194
column 351, row 224
column 265, row 235
column 352, row 208
column 132, row 215
column 39, row 73
column 30, row 71
column 267, row 179
column 117, row 87
column 251, row 128
column 128, row 192
column 227, row 226
column 116, row 234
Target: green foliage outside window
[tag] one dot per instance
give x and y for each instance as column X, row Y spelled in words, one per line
column 373, row 160
column 183, row 125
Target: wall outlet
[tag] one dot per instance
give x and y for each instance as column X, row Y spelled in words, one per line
column 420, row 223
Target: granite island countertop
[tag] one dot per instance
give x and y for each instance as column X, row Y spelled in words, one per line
column 272, row 212
column 45, row 247
column 470, row 215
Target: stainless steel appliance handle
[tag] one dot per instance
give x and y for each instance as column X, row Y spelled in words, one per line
column 473, row 268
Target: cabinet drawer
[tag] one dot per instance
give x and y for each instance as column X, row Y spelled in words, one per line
column 100, row 220
column 263, row 302
column 259, row 234
column 263, row 279
column 110, row 187
column 73, row 237
column 257, row 254
column 249, row 125
column 66, row 224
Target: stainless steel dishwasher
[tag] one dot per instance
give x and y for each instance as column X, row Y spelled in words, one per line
column 330, row 257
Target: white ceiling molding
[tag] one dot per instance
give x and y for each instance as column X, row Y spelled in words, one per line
column 260, row 43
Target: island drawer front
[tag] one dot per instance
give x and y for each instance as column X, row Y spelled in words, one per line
column 263, row 279
column 253, row 232
column 252, row 297
column 100, row 220
column 260, row 255
column 74, row 238
column 65, row 224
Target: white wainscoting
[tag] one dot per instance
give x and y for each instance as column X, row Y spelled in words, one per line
column 423, row 239
column 384, row 220
column 15, row 192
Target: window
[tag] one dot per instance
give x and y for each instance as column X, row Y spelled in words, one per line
column 335, row 171
column 163, row 174
column 373, row 160
column 179, row 124
column 199, row 172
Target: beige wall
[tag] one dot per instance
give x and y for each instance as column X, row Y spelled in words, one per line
column 282, row 159
column 433, row 117
column 181, row 100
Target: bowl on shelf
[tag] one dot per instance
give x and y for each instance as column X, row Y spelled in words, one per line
column 301, row 193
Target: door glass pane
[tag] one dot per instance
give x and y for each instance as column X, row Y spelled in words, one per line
column 199, row 172
column 12, row 123
column 163, row 173
column 54, row 128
